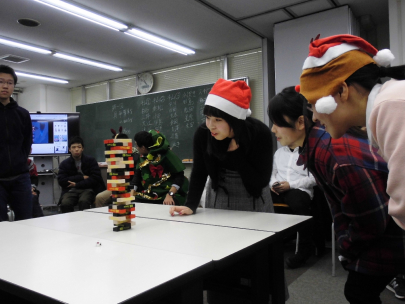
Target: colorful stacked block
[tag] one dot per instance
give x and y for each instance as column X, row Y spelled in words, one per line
column 120, row 170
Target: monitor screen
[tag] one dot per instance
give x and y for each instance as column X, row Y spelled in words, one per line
column 51, row 132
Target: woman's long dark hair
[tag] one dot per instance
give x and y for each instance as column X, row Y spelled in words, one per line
column 219, row 148
column 288, row 103
column 371, row 74
column 367, row 77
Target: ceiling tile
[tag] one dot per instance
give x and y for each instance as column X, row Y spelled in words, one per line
column 240, row 9
column 310, row 7
column 264, row 24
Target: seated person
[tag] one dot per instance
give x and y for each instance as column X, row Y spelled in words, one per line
column 36, row 207
column 80, row 178
column 291, row 184
column 104, row 198
column 159, row 175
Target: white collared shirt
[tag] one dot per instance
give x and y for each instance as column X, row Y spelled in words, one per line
column 285, row 169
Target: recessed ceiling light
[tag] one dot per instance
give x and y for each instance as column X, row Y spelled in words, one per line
column 85, row 14
column 137, row 33
column 23, row 74
column 28, row 22
column 24, row 46
column 88, row 62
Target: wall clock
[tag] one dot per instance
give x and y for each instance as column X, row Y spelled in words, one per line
column 145, row 83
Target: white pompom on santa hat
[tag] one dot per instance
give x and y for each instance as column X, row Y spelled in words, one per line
column 330, row 62
column 231, row 97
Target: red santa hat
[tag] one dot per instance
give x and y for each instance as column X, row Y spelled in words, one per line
column 330, row 62
column 232, row 97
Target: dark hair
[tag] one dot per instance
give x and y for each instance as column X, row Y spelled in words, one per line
column 238, row 126
column 288, row 103
column 8, row 70
column 76, row 140
column 371, row 74
column 121, row 135
column 144, row 139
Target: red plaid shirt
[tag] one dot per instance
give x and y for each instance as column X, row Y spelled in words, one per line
column 354, row 178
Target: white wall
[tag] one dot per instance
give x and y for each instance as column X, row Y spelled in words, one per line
column 45, row 98
column 292, row 38
column 397, row 30
column 58, row 99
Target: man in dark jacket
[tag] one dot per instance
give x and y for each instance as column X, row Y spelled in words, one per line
column 15, row 145
column 80, row 178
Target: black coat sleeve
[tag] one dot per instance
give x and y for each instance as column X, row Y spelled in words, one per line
column 178, row 178
column 92, row 170
column 199, row 173
column 27, row 142
column 137, row 180
column 68, row 172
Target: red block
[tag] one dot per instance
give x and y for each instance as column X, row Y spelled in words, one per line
column 116, row 188
column 121, row 195
column 120, row 177
column 121, row 148
column 121, row 210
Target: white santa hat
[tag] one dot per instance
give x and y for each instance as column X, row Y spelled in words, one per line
column 330, row 62
column 231, row 97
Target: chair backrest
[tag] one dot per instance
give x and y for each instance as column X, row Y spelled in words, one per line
column 282, row 208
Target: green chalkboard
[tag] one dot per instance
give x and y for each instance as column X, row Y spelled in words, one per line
column 175, row 113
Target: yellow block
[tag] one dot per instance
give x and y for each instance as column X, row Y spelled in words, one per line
column 125, row 199
column 115, row 181
column 114, row 159
column 116, row 152
column 117, row 166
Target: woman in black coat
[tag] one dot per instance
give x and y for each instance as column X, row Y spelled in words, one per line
column 234, row 150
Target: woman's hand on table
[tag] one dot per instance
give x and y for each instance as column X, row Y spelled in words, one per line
column 181, row 210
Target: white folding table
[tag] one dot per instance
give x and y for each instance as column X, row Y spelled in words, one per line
column 271, row 222
column 73, row 238
column 53, row 266
column 283, row 225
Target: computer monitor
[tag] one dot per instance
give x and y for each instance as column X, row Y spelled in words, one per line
column 51, row 132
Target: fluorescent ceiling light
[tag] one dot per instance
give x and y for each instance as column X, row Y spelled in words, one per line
column 41, row 77
column 88, row 62
column 24, row 46
column 159, row 41
column 85, row 14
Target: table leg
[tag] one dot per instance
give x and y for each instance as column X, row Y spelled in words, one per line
column 277, row 280
column 260, row 277
column 189, row 293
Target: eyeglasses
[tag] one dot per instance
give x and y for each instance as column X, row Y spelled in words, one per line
column 10, row 83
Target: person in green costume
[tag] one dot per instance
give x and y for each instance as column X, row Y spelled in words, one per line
column 159, row 175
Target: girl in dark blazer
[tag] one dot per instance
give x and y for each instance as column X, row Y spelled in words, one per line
column 234, row 150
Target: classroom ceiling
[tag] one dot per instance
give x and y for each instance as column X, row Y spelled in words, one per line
column 210, row 27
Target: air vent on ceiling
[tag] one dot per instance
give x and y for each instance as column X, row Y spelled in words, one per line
column 13, row 58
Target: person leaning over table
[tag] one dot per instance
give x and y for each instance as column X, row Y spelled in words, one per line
column 159, row 175
column 353, row 178
column 343, row 83
column 234, row 150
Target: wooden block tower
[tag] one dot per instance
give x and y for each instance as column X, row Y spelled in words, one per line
column 120, row 170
